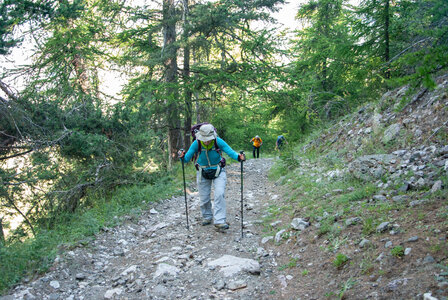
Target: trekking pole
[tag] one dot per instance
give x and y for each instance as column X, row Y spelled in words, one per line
column 242, row 234
column 185, row 189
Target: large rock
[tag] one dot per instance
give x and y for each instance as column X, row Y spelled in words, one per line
column 166, row 269
column 299, row 224
column 376, row 122
column 391, row 132
column 370, row 167
column 232, row 265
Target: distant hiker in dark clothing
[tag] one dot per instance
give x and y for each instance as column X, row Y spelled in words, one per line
column 211, row 170
column 257, row 142
column 279, row 143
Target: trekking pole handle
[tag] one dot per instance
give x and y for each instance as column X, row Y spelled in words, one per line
column 181, row 150
column 242, row 152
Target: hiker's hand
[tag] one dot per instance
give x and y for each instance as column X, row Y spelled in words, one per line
column 241, row 157
column 181, row 153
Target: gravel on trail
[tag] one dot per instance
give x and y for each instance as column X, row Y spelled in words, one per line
column 154, row 256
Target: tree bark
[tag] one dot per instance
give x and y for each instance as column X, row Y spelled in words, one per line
column 79, row 65
column 2, row 235
column 7, row 90
column 186, row 78
column 386, row 37
column 169, row 52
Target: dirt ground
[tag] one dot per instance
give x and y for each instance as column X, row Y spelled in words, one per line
column 154, row 256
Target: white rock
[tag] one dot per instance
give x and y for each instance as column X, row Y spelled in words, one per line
column 110, row 293
column 266, row 239
column 231, row 265
column 282, row 280
column 55, row 284
column 427, row 296
column 273, row 224
column 437, row 186
column 131, row 269
column 299, row 224
column 123, row 242
column 278, row 235
column 166, row 269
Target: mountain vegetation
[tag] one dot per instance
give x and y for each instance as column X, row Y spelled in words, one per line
column 74, row 154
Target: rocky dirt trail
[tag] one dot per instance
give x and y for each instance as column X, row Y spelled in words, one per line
column 156, row 257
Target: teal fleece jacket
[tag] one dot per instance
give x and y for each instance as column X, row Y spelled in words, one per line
column 213, row 155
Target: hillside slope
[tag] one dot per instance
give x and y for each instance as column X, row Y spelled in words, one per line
column 368, row 199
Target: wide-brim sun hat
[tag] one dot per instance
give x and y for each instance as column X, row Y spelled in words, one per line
column 206, row 133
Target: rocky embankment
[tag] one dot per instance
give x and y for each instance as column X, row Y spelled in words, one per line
column 390, row 243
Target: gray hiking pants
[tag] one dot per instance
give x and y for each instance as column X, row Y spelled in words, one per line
column 205, row 187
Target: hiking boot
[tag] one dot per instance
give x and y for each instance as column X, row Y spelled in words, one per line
column 206, row 222
column 222, row 226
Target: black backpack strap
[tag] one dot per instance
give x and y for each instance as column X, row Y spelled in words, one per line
column 196, row 155
column 217, row 147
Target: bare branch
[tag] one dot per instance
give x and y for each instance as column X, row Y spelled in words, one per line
column 435, row 132
column 405, row 50
column 7, row 90
column 16, row 155
column 20, row 212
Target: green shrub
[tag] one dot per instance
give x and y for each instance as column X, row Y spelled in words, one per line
column 288, row 157
column 340, row 260
column 397, row 251
column 277, row 170
column 325, row 226
column 368, row 226
column 291, row 264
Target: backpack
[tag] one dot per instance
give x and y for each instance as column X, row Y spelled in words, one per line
column 194, row 130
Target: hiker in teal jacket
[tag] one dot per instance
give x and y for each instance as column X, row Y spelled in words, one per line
column 211, row 169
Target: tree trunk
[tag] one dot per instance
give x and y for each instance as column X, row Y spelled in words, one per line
column 386, row 37
column 2, row 235
column 79, row 65
column 170, row 55
column 186, row 75
column 196, row 96
column 197, row 108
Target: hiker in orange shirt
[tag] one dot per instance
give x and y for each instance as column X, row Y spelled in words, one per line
column 257, row 142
